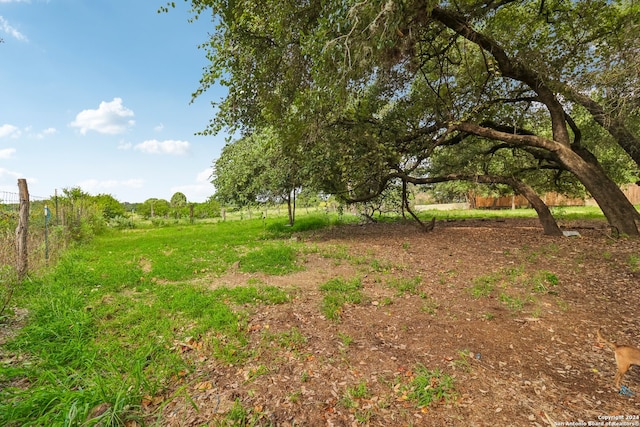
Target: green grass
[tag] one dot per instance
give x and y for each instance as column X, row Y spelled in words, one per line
column 566, row 213
column 405, row 285
column 337, row 293
column 277, row 258
column 106, row 321
column 483, row 286
column 430, row 386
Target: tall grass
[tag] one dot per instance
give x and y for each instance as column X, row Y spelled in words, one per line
column 104, row 323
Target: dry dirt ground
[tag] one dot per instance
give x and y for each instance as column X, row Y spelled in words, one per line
column 521, row 350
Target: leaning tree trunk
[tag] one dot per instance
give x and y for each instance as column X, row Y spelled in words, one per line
column 619, row 211
column 549, row 224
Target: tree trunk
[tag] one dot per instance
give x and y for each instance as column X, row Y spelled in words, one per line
column 549, row 224
column 615, row 206
column 614, row 126
column 290, row 209
column 619, row 211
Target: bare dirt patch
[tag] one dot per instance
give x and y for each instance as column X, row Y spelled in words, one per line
column 508, row 313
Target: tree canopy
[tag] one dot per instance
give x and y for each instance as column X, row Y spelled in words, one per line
column 541, row 93
column 257, row 168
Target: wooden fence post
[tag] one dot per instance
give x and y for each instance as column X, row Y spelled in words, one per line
column 22, row 229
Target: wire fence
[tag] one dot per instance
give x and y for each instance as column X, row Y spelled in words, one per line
column 43, row 242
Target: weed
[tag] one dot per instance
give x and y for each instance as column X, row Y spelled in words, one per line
column 241, row 416
column 290, row 340
column 444, row 276
column 252, row 294
column 295, row 397
column 543, row 281
column 386, row 301
column 270, row 259
column 430, row 386
column 514, row 303
column 359, row 391
column 633, row 261
column 345, row 339
column 364, row 417
column 338, row 252
column 489, row 316
column 562, row 304
column 483, row 286
column 430, row 305
column 462, row 362
column 536, row 312
column 404, row 285
column 381, row 266
column 339, row 292
column 256, row 372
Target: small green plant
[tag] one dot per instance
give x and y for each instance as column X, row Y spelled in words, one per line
column 337, row 252
column 339, row 292
column 256, row 372
column 290, row 340
column 386, row 301
column 364, row 417
column 462, row 362
column 359, row 391
column 405, row 285
column 489, row 316
column 483, row 286
column 536, row 312
column 633, row 261
column 345, row 339
column 430, row 305
column 562, row 304
column 241, row 416
column 514, row 303
column 381, row 266
column 295, row 397
column 430, row 386
column 543, row 282
column 444, row 276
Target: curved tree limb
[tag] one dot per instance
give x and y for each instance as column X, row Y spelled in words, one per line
column 549, row 224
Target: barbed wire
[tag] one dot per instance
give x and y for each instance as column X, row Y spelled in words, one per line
column 9, row 198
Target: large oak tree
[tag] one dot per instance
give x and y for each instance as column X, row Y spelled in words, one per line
column 512, row 72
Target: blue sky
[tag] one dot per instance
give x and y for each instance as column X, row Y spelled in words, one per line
column 96, row 94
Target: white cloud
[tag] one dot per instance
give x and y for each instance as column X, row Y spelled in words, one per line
column 11, row 131
column 110, row 118
column 205, row 175
column 200, row 191
column 164, row 147
column 8, row 29
column 7, row 153
column 46, row 132
column 96, row 186
column 5, row 173
column 159, row 128
column 124, row 145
